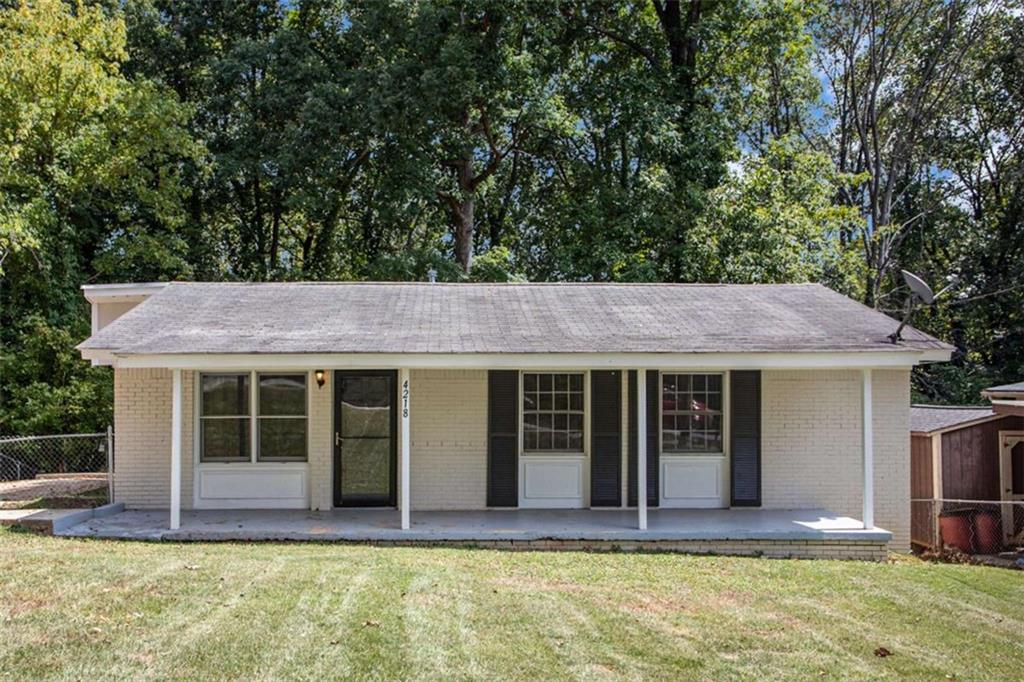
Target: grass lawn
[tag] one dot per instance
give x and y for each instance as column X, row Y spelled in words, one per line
column 97, row 610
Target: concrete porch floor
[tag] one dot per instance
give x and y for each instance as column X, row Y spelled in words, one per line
column 383, row 525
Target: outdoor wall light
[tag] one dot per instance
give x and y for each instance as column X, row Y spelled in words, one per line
column 320, row 377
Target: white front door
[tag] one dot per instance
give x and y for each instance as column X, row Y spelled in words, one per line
column 553, row 471
column 693, row 422
column 1011, row 475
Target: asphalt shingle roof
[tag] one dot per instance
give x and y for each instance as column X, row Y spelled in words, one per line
column 499, row 318
column 928, row 418
column 1007, row 388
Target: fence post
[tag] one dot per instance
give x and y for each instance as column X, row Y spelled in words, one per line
column 110, row 464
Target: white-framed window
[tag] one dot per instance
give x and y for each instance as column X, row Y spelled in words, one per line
column 251, row 416
column 692, row 414
column 224, row 418
column 281, row 418
column 553, row 412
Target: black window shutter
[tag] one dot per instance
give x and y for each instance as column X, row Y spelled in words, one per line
column 605, row 438
column 502, row 438
column 745, row 438
column 653, row 441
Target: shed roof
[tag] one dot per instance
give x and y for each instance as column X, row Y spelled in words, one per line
column 932, row 418
column 1006, row 388
column 205, row 318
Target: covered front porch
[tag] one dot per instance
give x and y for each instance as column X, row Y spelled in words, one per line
column 800, row 532
column 609, row 471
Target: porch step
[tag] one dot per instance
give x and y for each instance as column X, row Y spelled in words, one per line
column 49, row 521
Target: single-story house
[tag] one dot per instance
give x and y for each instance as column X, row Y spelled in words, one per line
column 965, row 461
column 780, row 411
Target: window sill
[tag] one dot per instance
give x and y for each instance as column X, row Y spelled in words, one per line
column 556, row 453
column 263, row 463
column 694, row 455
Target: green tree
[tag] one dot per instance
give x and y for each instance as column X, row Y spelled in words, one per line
column 774, row 221
column 89, row 190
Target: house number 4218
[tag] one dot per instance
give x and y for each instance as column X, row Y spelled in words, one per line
column 405, row 398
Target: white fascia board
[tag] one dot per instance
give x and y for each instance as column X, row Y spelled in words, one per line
column 128, row 293
column 668, row 361
column 936, row 355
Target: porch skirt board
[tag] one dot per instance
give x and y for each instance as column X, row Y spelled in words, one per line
column 794, row 549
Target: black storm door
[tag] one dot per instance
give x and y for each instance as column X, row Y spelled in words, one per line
column 365, row 452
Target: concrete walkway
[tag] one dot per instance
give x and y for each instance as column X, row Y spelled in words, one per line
column 497, row 525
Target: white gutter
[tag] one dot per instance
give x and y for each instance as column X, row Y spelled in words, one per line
column 121, row 293
column 707, row 361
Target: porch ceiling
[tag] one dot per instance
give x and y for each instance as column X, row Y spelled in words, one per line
column 492, row 525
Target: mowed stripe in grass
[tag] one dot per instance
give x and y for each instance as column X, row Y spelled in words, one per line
column 74, row 609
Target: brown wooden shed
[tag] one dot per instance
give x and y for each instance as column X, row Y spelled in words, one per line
column 962, row 456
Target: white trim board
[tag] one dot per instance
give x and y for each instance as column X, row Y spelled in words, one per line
column 562, row 361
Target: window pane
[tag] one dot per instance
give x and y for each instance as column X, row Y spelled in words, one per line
column 715, row 401
column 553, row 412
column 225, row 395
column 692, row 413
column 529, row 382
column 282, row 394
column 225, row 439
column 283, row 438
column 366, row 468
column 365, row 408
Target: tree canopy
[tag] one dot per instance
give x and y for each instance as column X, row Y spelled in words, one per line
column 496, row 140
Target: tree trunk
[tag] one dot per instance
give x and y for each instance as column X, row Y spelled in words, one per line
column 462, row 220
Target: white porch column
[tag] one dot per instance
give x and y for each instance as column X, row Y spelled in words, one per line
column 641, row 448
column 403, row 381
column 176, row 449
column 868, row 514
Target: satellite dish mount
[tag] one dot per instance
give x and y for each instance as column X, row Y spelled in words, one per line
column 919, row 293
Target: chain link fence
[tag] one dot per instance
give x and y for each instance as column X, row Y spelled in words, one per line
column 968, row 526
column 65, row 470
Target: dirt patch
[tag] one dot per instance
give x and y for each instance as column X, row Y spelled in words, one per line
column 51, row 487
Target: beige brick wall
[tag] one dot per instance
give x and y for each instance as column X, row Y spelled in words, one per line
column 448, row 432
column 811, row 444
column 142, row 428
column 321, row 444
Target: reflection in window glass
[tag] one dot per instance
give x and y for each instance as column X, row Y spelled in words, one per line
column 282, row 417
column 691, row 413
column 224, row 418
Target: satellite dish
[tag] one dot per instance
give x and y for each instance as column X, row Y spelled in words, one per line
column 920, row 289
